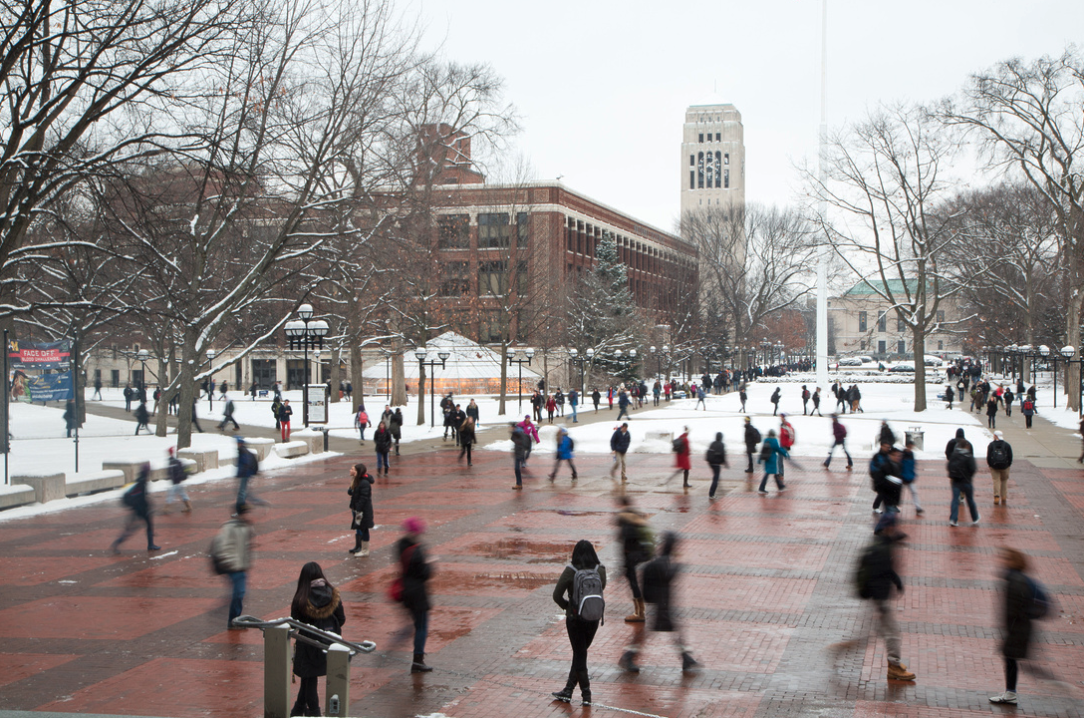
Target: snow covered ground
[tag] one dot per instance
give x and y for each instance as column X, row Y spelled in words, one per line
column 1044, row 400
column 891, row 402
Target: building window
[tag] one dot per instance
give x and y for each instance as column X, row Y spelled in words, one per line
column 453, row 231
column 882, row 321
column 718, row 137
column 718, row 173
column 940, row 345
column 701, row 137
column 492, row 279
column 861, row 321
column 692, row 179
column 726, row 158
column 940, row 316
column 709, row 171
column 493, row 230
column 456, row 283
column 726, row 179
column 901, row 347
column 900, row 325
column 523, row 230
column 862, row 345
column 881, row 347
column 700, row 170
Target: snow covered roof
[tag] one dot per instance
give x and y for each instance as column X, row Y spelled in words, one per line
column 466, row 360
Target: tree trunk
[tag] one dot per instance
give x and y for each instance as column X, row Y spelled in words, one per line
column 161, row 426
column 1072, row 332
column 356, row 375
column 398, row 381
column 504, row 378
column 188, row 394
column 920, row 367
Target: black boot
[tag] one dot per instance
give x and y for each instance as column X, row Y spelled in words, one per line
column 628, row 662
column 357, row 544
column 565, row 694
column 418, row 666
column 585, row 687
column 688, row 663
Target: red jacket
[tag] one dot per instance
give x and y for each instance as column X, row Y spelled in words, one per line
column 682, row 458
column 786, row 435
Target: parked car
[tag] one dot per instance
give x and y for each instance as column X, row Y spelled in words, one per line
column 933, row 361
column 904, row 366
column 866, row 359
column 850, row 361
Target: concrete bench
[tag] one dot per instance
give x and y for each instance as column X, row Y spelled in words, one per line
column 91, row 483
column 292, row 449
column 261, row 447
column 46, row 488
column 130, row 469
column 315, row 439
column 16, row 495
column 205, row 460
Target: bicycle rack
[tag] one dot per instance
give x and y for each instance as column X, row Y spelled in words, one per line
column 276, row 663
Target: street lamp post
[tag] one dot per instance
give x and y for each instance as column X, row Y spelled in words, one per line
column 143, row 355
column 306, row 334
column 1046, row 354
column 1068, row 352
column 211, row 379
column 420, row 353
column 511, row 353
column 658, row 359
column 574, row 356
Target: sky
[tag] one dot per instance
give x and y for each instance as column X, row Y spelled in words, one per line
column 602, row 86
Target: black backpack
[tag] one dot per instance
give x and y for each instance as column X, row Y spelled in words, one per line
column 677, row 445
column 999, row 457
column 766, row 451
column 864, row 569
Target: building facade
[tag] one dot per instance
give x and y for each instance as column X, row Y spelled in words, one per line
column 712, row 158
column 862, row 322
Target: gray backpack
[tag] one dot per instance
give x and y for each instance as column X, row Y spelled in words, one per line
column 587, row 601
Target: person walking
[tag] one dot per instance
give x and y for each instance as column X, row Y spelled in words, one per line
column 285, row 412
column 247, row 467
column 805, row 399
column 551, row 407
column 97, row 389
column 623, row 405
column 177, row 475
column 361, row 421
column 579, row 593
column 252, row 389
column 415, row 574
column 227, row 415
column 361, row 507
column 752, row 438
column 909, row 473
column 195, row 416
column 395, row 427
column 716, row 458
column 787, row 437
column 682, row 458
column 771, row 455
column 1008, row 397
column 128, row 394
column 559, row 399
column 537, row 400
column 637, row 544
column 70, row 414
column 382, row 440
column 854, row 395
column 138, row 503
column 701, row 398
column 317, row 603
column 564, row 453
column 742, row 397
column 659, row 575
column 472, row 412
column 223, row 388
column 466, row 439
column 1028, row 410
column 595, row 399
column 817, row 402
column 1023, row 601
column 573, row 403
column 143, row 418
column 991, row 412
column 839, row 438
column 276, row 404
column 875, row 577
column 775, row 401
column 950, row 395
column 231, row 552
column 656, row 390
column 999, row 459
column 961, row 469
column 884, row 473
column 521, row 448
column 619, row 446
column 531, row 430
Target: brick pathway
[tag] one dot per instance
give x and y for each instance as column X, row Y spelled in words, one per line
column 766, row 588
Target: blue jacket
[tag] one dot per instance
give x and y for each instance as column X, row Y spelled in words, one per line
column 564, row 447
column 771, row 465
column 907, row 467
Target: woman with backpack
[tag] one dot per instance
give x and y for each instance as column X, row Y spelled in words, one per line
column 362, row 422
column 659, row 576
column 564, row 453
column 361, row 505
column 1025, row 601
column 317, row 603
column 961, row 470
column 579, row 592
column 1028, row 409
column 770, row 450
column 395, row 427
column 382, row 439
column 682, row 458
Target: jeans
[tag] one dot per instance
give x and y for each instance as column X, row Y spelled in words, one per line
column 574, row 419
column 624, row 411
column 914, row 495
column 714, row 479
column 831, row 451
column 889, row 629
column 130, row 528
column 518, row 462
column 381, row 460
column 764, row 482
column 969, row 493
column 237, row 579
column 421, row 630
column 362, row 430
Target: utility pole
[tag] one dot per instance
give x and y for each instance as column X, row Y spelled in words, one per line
column 822, row 266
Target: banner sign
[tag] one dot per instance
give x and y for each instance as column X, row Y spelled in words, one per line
column 318, row 398
column 32, row 355
column 47, row 387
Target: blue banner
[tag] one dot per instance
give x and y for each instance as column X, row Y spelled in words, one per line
column 47, row 387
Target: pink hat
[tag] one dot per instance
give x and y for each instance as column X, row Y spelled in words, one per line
column 414, row 525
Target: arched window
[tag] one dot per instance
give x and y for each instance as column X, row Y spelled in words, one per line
column 718, row 169
column 709, row 171
column 700, row 170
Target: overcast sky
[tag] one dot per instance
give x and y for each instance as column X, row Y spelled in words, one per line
column 602, row 86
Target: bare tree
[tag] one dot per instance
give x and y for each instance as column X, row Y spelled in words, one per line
column 886, row 185
column 1028, row 118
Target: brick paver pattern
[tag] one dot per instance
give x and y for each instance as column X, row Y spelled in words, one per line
column 766, row 587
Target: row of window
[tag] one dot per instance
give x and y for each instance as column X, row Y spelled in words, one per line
column 711, row 170
column 882, row 321
column 494, row 230
column 493, row 279
column 718, row 137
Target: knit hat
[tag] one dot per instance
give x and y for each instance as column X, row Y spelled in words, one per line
column 414, row 525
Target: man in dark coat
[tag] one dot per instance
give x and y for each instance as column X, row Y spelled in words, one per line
column 619, row 446
column 1024, row 600
column 752, row 438
column 139, row 504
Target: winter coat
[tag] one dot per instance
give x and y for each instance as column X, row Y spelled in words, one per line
column 141, row 414
column 882, row 568
column 521, row 443
column 382, row 439
column 595, row 396
column 562, row 592
column 839, row 432
column 395, row 425
column 881, row 467
column 716, row 455
column 620, row 441
column 751, row 439
column 564, row 447
column 661, row 576
column 415, row 575
column 466, row 435
column 530, row 430
column 362, row 420
column 999, row 444
column 235, row 552
column 551, row 405
column 961, row 466
column 682, row 460
column 285, row 412
column 361, row 502
column 472, row 412
column 907, row 466
column 951, row 445
column 137, row 496
column 623, row 399
column 1016, row 615
column 1029, row 408
column 775, row 396
column 991, row 407
column 69, row 416
column 176, row 471
column 324, row 611
column 887, row 436
column 630, row 528
column 771, row 464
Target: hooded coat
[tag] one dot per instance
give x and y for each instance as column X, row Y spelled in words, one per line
column 361, row 501
column 324, row 611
